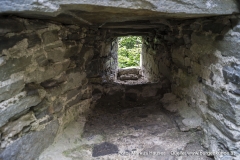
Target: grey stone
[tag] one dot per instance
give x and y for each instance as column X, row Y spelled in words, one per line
column 128, row 77
column 70, row 8
column 93, row 68
column 72, row 93
column 51, row 83
column 55, row 54
column 230, row 133
column 17, row 105
column 58, row 106
column 213, row 27
column 74, row 101
column 50, row 37
column 236, row 92
column 42, row 60
column 228, row 45
column 35, row 24
column 222, row 104
column 8, row 25
column 13, row 128
column 50, row 72
column 11, row 90
column 129, row 70
column 14, row 65
column 41, row 109
column 33, row 40
column 31, row 145
column 232, row 74
column 6, row 42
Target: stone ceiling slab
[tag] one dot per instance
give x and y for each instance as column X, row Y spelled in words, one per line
column 98, row 12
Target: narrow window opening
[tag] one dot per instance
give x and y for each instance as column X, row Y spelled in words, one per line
column 130, row 60
column 129, row 51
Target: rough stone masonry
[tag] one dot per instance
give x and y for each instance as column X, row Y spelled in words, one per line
column 57, row 58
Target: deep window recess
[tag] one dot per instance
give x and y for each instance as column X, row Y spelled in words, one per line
column 129, row 51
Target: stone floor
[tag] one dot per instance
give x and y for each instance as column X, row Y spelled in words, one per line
column 142, row 132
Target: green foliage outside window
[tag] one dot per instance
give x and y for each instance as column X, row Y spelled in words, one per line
column 129, row 50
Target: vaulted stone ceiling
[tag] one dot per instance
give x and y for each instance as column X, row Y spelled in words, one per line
column 102, row 12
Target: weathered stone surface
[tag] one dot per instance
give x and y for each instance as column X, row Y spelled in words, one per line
column 128, row 77
column 33, row 40
column 10, row 88
column 17, row 104
column 81, row 11
column 10, row 25
column 11, row 129
column 229, row 131
column 75, row 100
column 13, row 65
column 8, row 42
column 50, row 37
column 222, row 105
column 129, row 70
column 31, row 145
column 228, row 44
column 232, row 74
column 49, row 72
column 55, row 54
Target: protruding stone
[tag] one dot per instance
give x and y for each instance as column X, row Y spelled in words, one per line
column 13, row 128
column 34, row 143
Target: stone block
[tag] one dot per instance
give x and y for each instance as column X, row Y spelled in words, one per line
column 129, row 70
column 178, row 57
column 10, row 88
column 86, row 93
column 93, row 68
column 50, row 37
column 34, row 143
column 16, row 105
column 73, row 93
column 13, row 128
column 49, row 72
column 223, row 104
column 75, row 100
column 8, row 42
column 14, row 65
column 42, row 60
column 57, row 106
column 35, row 24
column 8, row 25
column 72, row 50
column 187, row 61
column 227, row 131
column 55, row 54
column 213, row 27
column 232, row 74
column 228, row 44
column 128, row 77
column 133, row 97
column 41, row 109
column 33, row 40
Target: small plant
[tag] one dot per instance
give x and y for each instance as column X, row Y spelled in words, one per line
column 129, row 50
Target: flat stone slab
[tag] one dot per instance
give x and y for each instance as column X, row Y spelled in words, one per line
column 124, row 8
column 128, row 77
column 104, row 149
column 130, row 70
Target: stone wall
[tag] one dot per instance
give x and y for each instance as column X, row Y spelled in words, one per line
column 156, row 54
column 205, row 57
column 52, row 73
column 43, row 83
